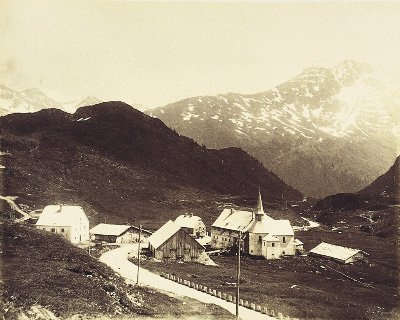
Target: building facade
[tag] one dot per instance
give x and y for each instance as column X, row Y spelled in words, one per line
column 171, row 242
column 115, row 233
column 193, row 225
column 70, row 222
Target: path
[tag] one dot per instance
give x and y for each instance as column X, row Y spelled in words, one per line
column 311, row 225
column 117, row 260
column 14, row 206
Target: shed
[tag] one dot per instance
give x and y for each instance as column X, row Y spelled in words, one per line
column 117, row 233
column 338, row 253
column 69, row 221
column 173, row 242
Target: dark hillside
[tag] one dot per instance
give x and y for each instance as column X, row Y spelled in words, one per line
column 122, row 164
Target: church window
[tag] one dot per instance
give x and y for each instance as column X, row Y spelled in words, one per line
column 273, row 244
column 260, row 238
column 284, row 239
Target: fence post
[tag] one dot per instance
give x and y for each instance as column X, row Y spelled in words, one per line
column 280, row 315
column 265, row 310
column 253, row 306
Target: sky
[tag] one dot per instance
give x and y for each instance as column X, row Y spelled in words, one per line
column 155, row 53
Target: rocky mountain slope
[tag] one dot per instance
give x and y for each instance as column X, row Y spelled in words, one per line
column 124, row 166
column 386, row 185
column 32, row 100
column 324, row 131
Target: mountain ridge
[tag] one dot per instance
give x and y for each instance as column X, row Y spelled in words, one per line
column 333, row 120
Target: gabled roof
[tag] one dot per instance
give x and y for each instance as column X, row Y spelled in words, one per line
column 62, row 216
column 334, row 251
column 236, row 220
column 297, row 242
column 187, row 220
column 270, row 238
column 109, row 229
column 163, row 234
column 262, row 226
column 281, row 228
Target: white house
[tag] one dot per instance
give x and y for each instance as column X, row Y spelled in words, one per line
column 69, row 221
column 263, row 235
column 338, row 253
column 192, row 225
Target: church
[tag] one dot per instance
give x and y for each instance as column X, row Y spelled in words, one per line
column 262, row 235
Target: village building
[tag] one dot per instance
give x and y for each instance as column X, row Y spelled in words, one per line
column 263, row 236
column 338, row 253
column 171, row 242
column 116, row 233
column 69, row 221
column 192, row 225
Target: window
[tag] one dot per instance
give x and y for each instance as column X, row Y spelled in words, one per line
column 62, row 229
column 273, row 244
column 284, row 239
column 283, row 252
column 53, row 230
column 260, row 238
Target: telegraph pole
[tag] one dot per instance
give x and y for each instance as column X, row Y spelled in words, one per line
column 138, row 254
column 238, row 276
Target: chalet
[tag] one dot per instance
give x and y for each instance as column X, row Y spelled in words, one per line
column 116, row 233
column 69, row 221
column 338, row 253
column 174, row 243
column 192, row 225
column 263, row 236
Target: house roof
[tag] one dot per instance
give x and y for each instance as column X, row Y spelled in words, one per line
column 204, row 240
column 163, row 234
column 61, row 216
column 334, row 251
column 187, row 220
column 109, row 229
column 297, row 242
column 232, row 219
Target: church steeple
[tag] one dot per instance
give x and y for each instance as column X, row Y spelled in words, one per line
column 259, row 210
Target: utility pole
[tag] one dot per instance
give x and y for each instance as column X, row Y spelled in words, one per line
column 238, row 276
column 138, row 254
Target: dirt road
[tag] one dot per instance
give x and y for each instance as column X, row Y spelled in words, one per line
column 117, row 260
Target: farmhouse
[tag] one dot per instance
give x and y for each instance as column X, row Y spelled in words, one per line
column 69, row 221
column 192, row 225
column 116, row 233
column 263, row 236
column 173, row 242
column 340, row 254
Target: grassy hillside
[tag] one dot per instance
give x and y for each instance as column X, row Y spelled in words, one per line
column 39, row 268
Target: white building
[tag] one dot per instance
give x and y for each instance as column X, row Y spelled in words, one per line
column 69, row 221
column 263, row 236
column 118, row 233
column 192, row 225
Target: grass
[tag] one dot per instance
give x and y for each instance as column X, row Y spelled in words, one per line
column 306, row 287
column 39, row 268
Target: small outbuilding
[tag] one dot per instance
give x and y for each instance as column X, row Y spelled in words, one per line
column 171, row 242
column 338, row 253
column 69, row 221
column 192, row 224
column 117, row 233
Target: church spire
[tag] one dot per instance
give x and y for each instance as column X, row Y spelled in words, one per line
column 259, row 210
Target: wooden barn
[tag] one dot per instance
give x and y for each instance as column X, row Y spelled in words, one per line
column 171, row 242
column 117, row 233
column 338, row 253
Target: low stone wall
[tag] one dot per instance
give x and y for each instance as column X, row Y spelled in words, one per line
column 227, row 297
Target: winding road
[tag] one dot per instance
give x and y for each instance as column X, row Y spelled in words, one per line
column 117, row 259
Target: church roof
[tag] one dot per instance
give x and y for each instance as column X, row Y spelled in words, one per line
column 262, row 226
column 187, row 220
column 281, row 228
column 236, row 220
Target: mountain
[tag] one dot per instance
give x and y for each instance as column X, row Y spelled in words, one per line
column 125, row 165
column 325, row 131
column 386, row 185
column 32, row 100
